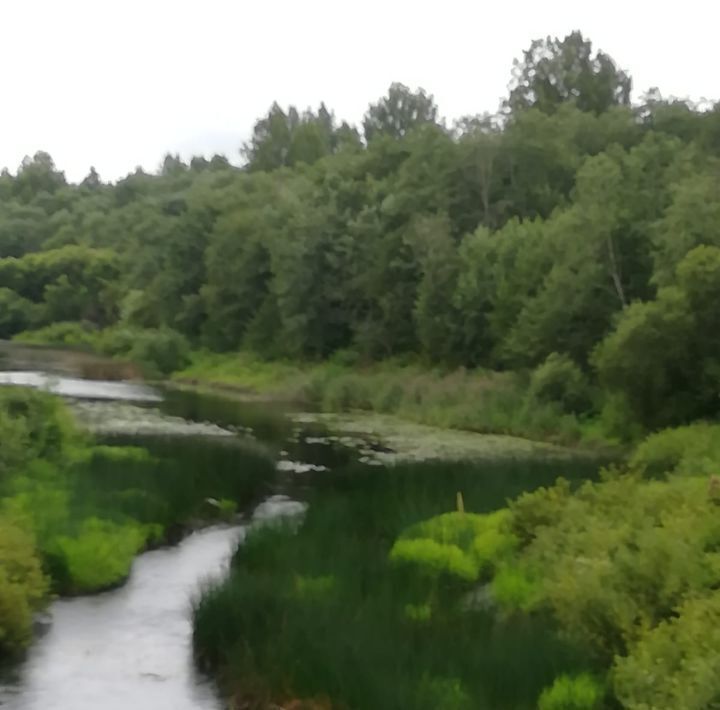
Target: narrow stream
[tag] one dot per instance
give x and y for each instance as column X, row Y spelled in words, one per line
column 128, row 648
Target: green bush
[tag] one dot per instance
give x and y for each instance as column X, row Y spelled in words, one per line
column 688, row 450
column 68, row 333
column 161, row 351
column 464, row 545
column 39, row 420
column 514, row 590
column 616, row 558
column 100, row 554
column 560, row 381
column 676, row 664
column 22, row 586
column 542, row 507
column 346, row 392
column 305, row 610
column 434, row 559
column 581, row 692
column 16, row 313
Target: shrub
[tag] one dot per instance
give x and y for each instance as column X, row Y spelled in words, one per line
column 435, row 558
column 67, row 333
column 532, row 511
column 16, row 313
column 513, row 590
column 39, row 420
column 101, row 553
column 581, row 692
column 559, row 380
column 689, row 450
column 160, row 351
column 22, row 586
column 460, row 544
column 346, row 392
column 675, row 665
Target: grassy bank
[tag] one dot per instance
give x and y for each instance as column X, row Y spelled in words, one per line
column 572, row 596
column 479, row 401
column 554, row 403
column 324, row 614
column 74, row 513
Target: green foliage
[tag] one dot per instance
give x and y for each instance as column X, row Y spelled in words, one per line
column 81, row 512
column 16, row 313
column 23, row 586
column 68, row 333
column 570, row 225
column 582, row 692
column 398, row 113
column 675, row 664
column 282, row 613
column 661, row 356
column 100, row 554
column 628, row 567
column 481, row 401
column 463, row 545
column 533, row 511
column 159, row 351
column 326, row 242
column 435, row 558
column 513, row 590
column 691, row 450
column 559, row 380
column 33, row 425
column 554, row 71
column 70, row 283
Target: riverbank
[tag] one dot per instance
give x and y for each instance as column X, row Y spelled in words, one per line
column 458, row 585
column 554, row 404
column 477, row 401
column 75, row 511
column 322, row 617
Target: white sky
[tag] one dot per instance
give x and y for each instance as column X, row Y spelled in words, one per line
column 117, row 84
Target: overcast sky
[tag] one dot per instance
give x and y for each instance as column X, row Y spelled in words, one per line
column 118, row 84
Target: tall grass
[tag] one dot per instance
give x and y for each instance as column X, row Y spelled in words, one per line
column 323, row 613
column 89, row 509
column 481, row 401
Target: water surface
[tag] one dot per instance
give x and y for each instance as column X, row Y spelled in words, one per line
column 128, row 649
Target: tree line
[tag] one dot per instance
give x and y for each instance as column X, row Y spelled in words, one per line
column 569, row 223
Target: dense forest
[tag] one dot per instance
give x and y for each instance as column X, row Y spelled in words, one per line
column 571, row 230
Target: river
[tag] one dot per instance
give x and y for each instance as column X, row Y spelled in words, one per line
column 130, row 647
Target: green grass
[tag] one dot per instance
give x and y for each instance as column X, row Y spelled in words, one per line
column 478, row 401
column 247, row 372
column 89, row 509
column 325, row 613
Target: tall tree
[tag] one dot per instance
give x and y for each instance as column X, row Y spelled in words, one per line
column 399, row 112
column 554, row 71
